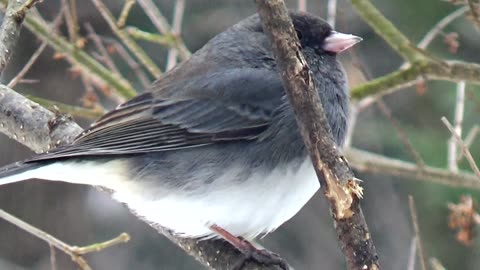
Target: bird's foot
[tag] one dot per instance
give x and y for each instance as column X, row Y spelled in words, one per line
column 262, row 256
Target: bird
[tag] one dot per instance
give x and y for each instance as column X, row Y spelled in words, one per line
column 212, row 149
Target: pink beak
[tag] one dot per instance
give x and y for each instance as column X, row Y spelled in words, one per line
column 338, row 42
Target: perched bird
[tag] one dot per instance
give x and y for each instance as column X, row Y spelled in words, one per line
column 212, row 148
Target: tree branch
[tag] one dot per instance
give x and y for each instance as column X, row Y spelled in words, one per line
column 335, row 176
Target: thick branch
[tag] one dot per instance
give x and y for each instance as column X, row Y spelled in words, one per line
column 335, row 176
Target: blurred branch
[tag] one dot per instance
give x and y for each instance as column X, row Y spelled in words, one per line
column 74, row 251
column 474, row 6
column 368, row 162
column 165, row 40
column 77, row 57
column 416, row 229
column 177, row 29
column 401, row 133
column 27, row 66
column 452, row 142
column 384, row 28
column 455, row 71
column 331, row 12
column 163, row 27
column 436, row 265
column 464, row 148
column 92, row 114
column 469, row 139
column 428, row 38
column 139, row 53
column 127, row 7
column 10, row 29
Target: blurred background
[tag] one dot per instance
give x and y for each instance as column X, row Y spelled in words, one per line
column 80, row 215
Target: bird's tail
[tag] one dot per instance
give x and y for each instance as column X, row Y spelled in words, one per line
column 88, row 172
column 19, row 171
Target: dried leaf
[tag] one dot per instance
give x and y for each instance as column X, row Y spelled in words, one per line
column 451, row 39
column 464, row 218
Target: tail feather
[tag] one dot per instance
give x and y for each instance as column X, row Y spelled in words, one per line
column 19, row 171
column 107, row 173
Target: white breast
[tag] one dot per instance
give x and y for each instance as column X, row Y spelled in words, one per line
column 247, row 209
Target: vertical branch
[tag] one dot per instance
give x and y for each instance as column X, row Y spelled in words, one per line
column 335, row 177
column 458, row 119
column 416, row 229
column 331, row 12
column 176, row 28
column 302, row 5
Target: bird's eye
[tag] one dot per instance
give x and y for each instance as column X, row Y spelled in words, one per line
column 299, row 34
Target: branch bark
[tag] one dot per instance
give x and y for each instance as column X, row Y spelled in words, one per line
column 336, row 178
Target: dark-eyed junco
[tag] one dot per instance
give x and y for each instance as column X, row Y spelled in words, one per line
column 212, row 148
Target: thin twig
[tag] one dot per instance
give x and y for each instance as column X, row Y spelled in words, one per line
column 55, row 23
column 93, row 113
column 401, row 133
column 139, row 73
column 74, row 252
column 413, row 213
column 436, row 265
column 72, row 23
column 177, row 29
column 331, row 12
column 352, row 122
column 372, row 163
column 438, row 28
column 101, row 48
column 469, row 139
column 412, row 254
column 164, row 40
column 161, row 23
column 139, row 53
column 475, row 12
column 53, row 257
column 464, row 148
column 77, row 58
column 127, row 7
column 452, row 142
column 27, row 66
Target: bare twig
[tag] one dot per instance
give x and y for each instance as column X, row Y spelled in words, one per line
column 437, row 29
column 469, row 139
column 27, row 66
column 464, row 148
column 127, row 7
column 176, row 28
column 56, row 22
column 74, row 252
column 416, row 229
column 412, row 254
column 92, row 114
column 368, row 162
column 131, row 63
column 352, row 122
column 101, row 48
column 436, row 265
column 331, row 12
column 72, row 21
column 474, row 6
column 163, row 27
column 401, row 133
column 139, row 53
column 53, row 257
column 336, row 178
column 452, row 142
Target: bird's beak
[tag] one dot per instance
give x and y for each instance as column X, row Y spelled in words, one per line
column 338, row 42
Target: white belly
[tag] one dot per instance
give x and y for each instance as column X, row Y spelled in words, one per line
column 247, row 209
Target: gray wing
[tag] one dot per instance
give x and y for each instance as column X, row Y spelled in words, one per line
column 219, row 107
